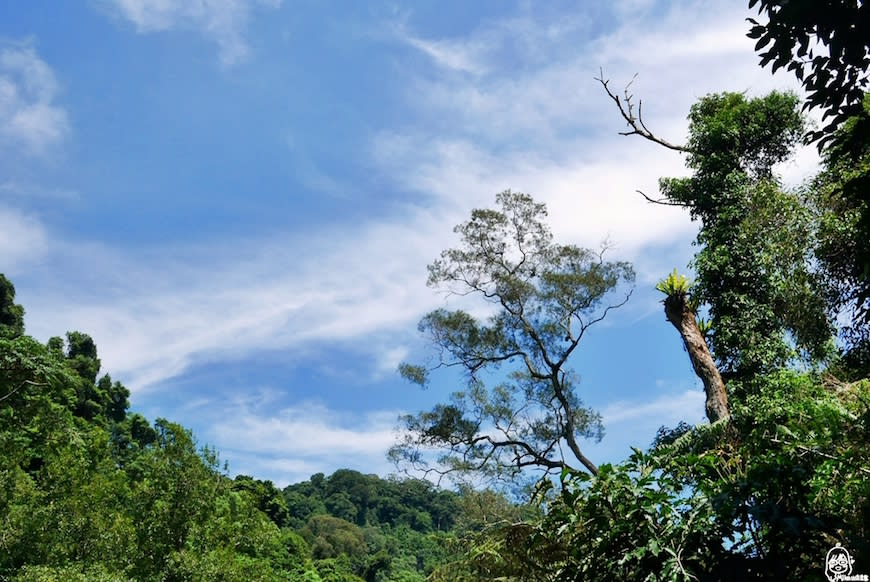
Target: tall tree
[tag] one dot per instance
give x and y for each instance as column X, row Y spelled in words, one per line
column 753, row 267
column 542, row 297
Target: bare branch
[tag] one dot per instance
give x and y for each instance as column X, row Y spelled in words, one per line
column 537, row 459
column 636, row 122
column 662, row 201
column 585, row 325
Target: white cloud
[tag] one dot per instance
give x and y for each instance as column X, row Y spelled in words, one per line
column 450, row 55
column 155, row 315
column 531, row 117
column 23, row 240
column 546, row 129
column 23, row 190
column 590, row 199
column 222, row 21
column 391, row 357
column 292, row 443
column 540, row 123
column 662, row 410
column 308, row 430
column 280, row 471
column 29, row 116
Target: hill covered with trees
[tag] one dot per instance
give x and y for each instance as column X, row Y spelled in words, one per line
column 90, row 490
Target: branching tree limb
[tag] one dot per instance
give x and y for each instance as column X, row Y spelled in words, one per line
column 636, row 122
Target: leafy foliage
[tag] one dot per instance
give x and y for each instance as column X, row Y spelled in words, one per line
column 674, row 284
column 372, row 528
column 839, row 195
column 753, row 268
column 766, row 492
column 760, row 497
column 92, row 491
column 825, row 43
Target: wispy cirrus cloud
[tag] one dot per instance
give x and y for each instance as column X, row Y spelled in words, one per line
column 634, row 423
column 155, row 314
column 260, row 436
column 670, row 408
column 14, row 190
column 512, row 104
column 222, row 21
column 30, row 118
column 452, row 55
column 535, row 119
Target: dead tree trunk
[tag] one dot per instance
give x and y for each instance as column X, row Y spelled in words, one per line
column 682, row 316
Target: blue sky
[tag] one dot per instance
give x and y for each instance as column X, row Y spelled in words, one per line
column 238, row 198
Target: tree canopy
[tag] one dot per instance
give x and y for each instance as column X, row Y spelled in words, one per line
column 542, row 298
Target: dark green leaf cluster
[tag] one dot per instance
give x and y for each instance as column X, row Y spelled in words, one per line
column 11, row 314
column 734, row 142
column 730, row 133
column 840, row 198
column 826, row 43
column 368, row 500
